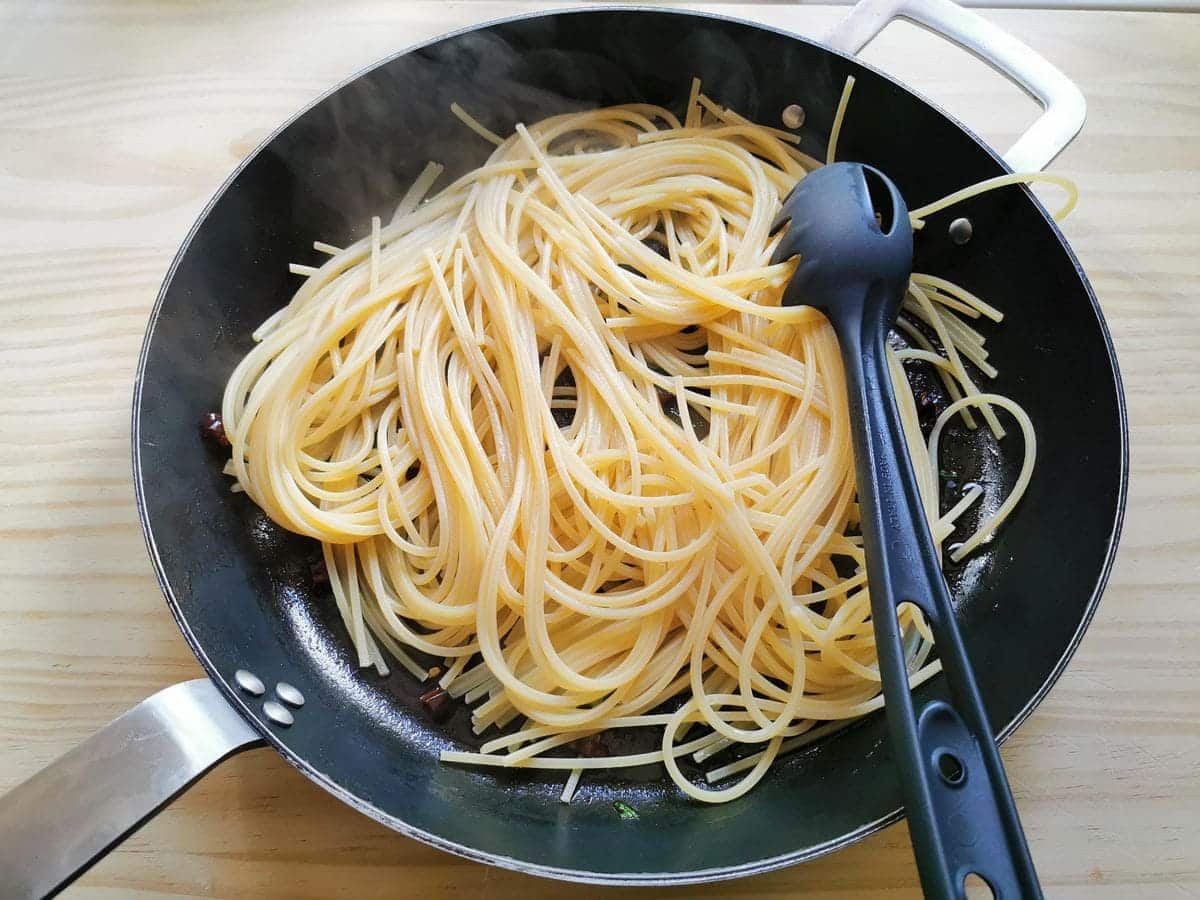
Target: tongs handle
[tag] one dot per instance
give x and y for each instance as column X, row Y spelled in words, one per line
column 961, row 813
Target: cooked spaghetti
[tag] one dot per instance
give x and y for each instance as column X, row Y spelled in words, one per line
column 553, row 428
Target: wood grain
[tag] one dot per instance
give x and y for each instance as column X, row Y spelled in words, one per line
column 118, row 121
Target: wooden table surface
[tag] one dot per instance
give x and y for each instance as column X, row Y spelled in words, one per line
column 117, row 123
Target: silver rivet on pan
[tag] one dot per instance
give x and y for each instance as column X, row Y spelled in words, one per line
column 793, row 116
column 278, row 713
column 249, row 682
column 961, row 231
column 289, row 694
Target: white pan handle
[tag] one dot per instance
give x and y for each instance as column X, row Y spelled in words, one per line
column 1065, row 107
column 64, row 818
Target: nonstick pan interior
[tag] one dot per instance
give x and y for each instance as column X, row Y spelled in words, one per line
column 242, row 589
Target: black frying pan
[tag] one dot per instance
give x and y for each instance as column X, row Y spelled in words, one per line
column 242, row 591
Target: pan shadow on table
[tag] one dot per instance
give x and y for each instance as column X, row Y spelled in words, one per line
column 280, row 836
column 283, row 837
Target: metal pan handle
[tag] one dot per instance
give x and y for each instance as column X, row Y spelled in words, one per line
column 1065, row 108
column 68, row 815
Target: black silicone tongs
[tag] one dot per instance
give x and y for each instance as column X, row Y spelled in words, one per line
column 850, row 227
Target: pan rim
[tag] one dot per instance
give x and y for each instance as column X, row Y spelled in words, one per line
column 645, row 879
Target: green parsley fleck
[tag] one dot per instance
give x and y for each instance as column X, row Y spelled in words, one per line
column 624, row 810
